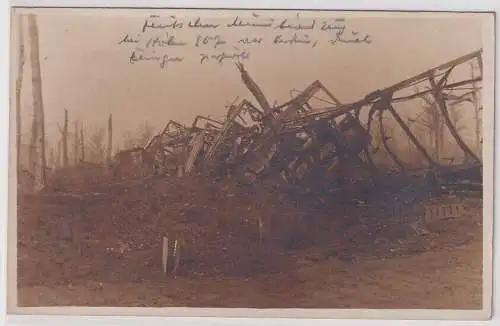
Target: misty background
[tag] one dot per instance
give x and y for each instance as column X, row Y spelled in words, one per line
column 86, row 72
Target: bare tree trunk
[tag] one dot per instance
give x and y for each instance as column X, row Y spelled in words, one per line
column 65, row 140
column 436, row 125
column 19, row 85
column 476, row 113
column 76, row 144
column 442, row 127
column 82, row 145
column 37, row 97
column 110, row 137
column 52, row 158
column 58, row 155
column 437, row 92
column 32, row 154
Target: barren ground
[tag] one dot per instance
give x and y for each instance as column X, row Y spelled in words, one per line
column 63, row 257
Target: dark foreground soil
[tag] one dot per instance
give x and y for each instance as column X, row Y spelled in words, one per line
column 100, row 246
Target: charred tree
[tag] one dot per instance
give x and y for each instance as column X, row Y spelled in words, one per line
column 82, row 144
column 437, row 91
column 40, row 173
column 477, row 114
column 110, row 138
column 64, row 139
column 76, row 143
column 52, row 159
column 19, row 84
column 434, row 123
column 58, row 155
column 96, row 147
column 32, row 151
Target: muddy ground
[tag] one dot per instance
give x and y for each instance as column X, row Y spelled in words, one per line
column 99, row 245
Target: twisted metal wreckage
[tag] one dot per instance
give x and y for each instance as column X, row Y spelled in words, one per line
column 318, row 150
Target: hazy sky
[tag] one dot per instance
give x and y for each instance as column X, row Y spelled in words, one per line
column 85, row 71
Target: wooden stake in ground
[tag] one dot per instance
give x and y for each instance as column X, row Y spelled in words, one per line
column 19, row 85
column 164, row 254
column 176, row 255
column 261, row 232
column 36, row 76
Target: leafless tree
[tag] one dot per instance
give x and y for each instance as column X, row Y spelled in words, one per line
column 52, row 159
column 19, row 89
column 456, row 117
column 39, row 120
column 82, row 143
column 64, row 139
column 145, row 133
column 110, row 138
column 96, row 145
column 76, row 142
column 430, row 118
column 140, row 137
column 129, row 140
column 378, row 149
column 433, row 121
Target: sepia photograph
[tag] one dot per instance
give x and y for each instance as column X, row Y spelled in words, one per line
column 251, row 159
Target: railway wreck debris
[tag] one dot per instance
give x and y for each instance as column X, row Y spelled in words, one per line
column 333, row 150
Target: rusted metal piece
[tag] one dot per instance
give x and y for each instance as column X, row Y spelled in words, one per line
column 196, row 146
column 210, row 124
column 291, row 111
column 234, row 127
column 297, row 144
column 368, row 146
column 260, row 154
column 254, row 89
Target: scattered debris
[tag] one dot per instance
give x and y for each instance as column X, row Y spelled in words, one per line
column 221, row 185
column 316, row 150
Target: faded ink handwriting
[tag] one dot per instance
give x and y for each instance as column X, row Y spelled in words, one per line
column 224, row 56
column 167, row 40
column 354, row 38
column 239, row 22
column 163, row 60
column 338, row 24
column 297, row 26
column 213, row 41
column 150, row 23
column 128, row 39
column 198, row 24
column 251, row 40
column 295, row 39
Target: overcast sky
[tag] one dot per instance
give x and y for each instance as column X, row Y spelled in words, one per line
column 86, row 71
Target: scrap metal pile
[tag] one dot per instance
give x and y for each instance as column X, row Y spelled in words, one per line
column 318, row 150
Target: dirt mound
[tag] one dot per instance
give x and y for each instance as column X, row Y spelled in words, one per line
column 114, row 230
column 111, row 230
